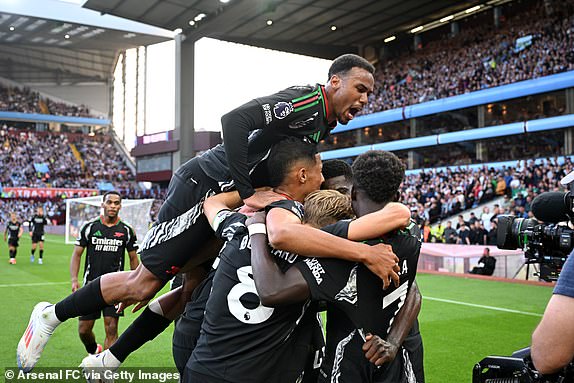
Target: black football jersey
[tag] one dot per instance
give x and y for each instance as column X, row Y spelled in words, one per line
column 299, row 111
column 37, row 224
column 357, row 303
column 241, row 340
column 106, row 247
column 13, row 228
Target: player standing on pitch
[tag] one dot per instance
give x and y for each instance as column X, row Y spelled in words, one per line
column 106, row 239
column 14, row 231
column 36, row 227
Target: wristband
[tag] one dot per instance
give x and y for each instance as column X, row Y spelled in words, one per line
column 257, row 228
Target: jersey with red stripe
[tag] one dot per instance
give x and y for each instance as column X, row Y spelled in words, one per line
column 299, row 111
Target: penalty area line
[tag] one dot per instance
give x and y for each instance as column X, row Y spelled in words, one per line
column 482, row 306
column 32, row 284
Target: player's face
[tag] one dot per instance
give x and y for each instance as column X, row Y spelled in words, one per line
column 13, row 217
column 112, row 205
column 40, row 211
column 351, row 92
column 314, row 176
column 339, row 183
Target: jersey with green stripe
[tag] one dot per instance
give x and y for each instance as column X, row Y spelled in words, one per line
column 298, row 110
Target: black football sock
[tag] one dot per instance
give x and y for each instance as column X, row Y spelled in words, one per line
column 84, row 301
column 33, row 251
column 91, row 347
column 41, row 254
column 12, row 253
column 145, row 328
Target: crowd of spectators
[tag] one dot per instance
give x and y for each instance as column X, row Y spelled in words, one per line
column 63, row 160
column 480, row 56
column 25, row 100
column 43, row 159
column 26, row 208
column 434, row 196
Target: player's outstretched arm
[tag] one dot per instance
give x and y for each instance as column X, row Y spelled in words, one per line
column 235, row 127
column 393, row 216
column 274, row 287
column 379, row 351
column 218, row 202
column 285, row 232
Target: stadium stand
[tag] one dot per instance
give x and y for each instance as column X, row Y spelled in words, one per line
column 25, row 100
column 73, row 161
column 442, row 194
column 480, row 57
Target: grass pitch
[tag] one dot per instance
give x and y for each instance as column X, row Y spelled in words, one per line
column 462, row 320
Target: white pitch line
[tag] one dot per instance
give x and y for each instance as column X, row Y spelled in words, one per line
column 482, row 306
column 32, row 284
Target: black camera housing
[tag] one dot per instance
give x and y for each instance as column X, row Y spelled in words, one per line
column 546, row 244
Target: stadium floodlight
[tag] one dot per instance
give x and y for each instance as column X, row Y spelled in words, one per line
column 417, row 29
column 470, row 10
column 134, row 212
column 447, row 18
column 389, row 39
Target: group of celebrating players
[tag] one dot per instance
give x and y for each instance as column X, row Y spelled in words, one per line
column 262, row 250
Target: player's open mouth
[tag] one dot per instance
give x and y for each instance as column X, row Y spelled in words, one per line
column 352, row 112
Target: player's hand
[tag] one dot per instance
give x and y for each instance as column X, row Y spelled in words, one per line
column 247, row 210
column 381, row 260
column 261, row 199
column 378, row 351
column 75, row 286
column 258, row 217
column 30, row 234
column 140, row 305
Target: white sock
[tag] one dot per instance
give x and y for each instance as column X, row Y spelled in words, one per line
column 155, row 307
column 110, row 359
column 49, row 315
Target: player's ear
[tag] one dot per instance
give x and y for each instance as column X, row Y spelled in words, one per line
column 353, row 193
column 335, row 81
column 302, row 175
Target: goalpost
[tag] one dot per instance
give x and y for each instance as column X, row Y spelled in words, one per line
column 134, row 212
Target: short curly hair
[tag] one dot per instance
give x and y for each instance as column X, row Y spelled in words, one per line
column 379, row 174
column 343, row 64
column 324, row 207
column 336, row 168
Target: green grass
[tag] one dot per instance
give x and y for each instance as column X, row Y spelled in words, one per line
column 65, row 348
column 455, row 336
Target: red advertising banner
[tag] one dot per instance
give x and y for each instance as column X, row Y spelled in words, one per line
column 16, row 192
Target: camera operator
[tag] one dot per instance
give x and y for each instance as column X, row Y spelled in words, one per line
column 553, row 340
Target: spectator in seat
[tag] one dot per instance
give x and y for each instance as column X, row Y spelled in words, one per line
column 488, row 262
column 450, row 233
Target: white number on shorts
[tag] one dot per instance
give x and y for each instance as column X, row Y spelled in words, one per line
column 246, row 285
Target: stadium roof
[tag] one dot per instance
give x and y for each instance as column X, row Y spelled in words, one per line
column 323, row 28
column 55, row 42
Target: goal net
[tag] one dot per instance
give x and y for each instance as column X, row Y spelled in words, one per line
column 134, row 212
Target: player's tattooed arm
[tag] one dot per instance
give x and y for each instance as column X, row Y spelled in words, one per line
column 392, row 217
column 285, row 232
column 274, row 287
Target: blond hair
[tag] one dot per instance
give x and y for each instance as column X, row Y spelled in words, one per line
column 324, row 207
